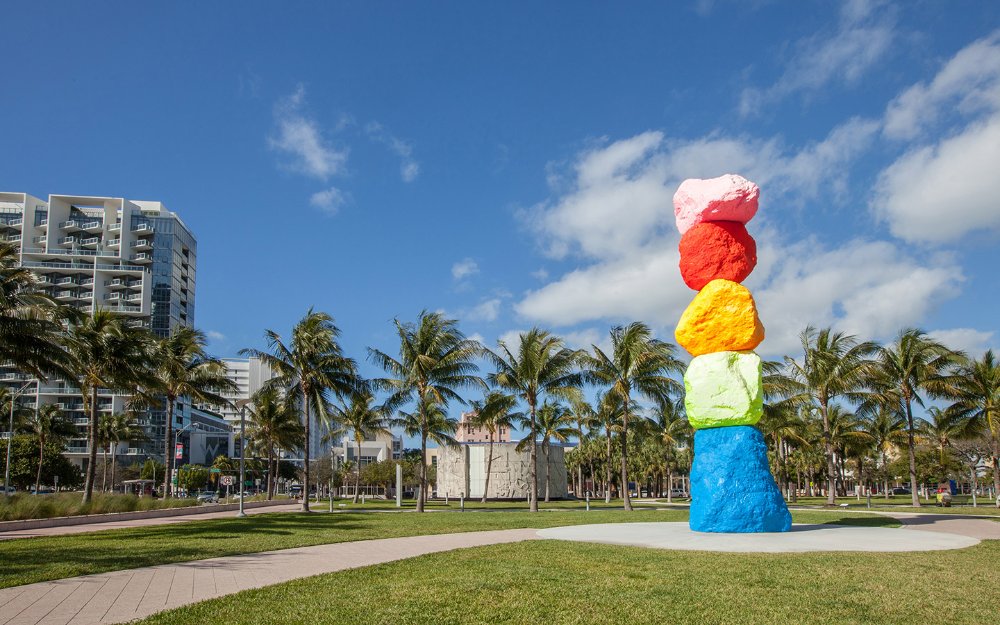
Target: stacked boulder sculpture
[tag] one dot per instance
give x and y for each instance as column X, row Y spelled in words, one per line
column 732, row 488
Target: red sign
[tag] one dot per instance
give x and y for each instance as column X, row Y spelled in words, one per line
column 178, row 451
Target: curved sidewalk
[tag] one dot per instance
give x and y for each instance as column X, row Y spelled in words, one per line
column 122, row 596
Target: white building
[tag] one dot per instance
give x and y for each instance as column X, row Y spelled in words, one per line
column 132, row 257
column 373, row 449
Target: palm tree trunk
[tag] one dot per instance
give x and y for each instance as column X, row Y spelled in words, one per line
column 88, row 484
column 627, row 499
column 545, row 452
column 168, row 448
column 915, row 497
column 831, row 468
column 357, row 470
column 670, row 485
column 270, row 471
column 579, row 480
column 104, row 473
column 996, row 469
column 41, row 457
column 423, row 469
column 305, row 485
column 489, row 468
column 607, row 471
column 533, row 487
column 114, row 463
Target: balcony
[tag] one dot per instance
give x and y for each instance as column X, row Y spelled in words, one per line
column 65, row 295
column 45, row 280
column 68, row 240
column 11, row 238
column 133, row 297
column 116, row 283
column 143, row 258
column 44, row 223
column 65, row 280
column 142, row 227
column 137, row 323
column 70, row 225
column 86, row 281
column 125, row 308
column 13, row 223
column 142, row 244
column 94, row 225
column 42, row 240
column 113, row 242
column 134, row 284
column 115, row 227
column 91, row 242
column 113, row 297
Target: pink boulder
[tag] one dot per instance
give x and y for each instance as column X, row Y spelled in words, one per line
column 726, row 198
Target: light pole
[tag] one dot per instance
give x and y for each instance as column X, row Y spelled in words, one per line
column 10, row 433
column 242, row 406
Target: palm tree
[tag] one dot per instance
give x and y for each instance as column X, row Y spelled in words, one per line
column 848, row 437
column 29, row 321
column 309, row 368
column 638, row 365
column 430, row 422
column 586, row 421
column 976, row 391
column 435, row 361
column 887, row 430
column 118, row 427
column 609, row 415
column 542, row 366
column 912, row 364
column 669, row 427
column 363, row 420
column 942, row 428
column 105, row 352
column 834, row 365
column 45, row 424
column 182, row 368
column 495, row 412
column 272, row 425
column 555, row 422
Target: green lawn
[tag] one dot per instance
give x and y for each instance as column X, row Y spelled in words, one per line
column 38, row 559
column 555, row 583
column 472, row 504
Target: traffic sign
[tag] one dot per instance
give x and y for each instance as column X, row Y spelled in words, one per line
column 228, row 480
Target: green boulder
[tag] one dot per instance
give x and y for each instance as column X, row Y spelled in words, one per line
column 724, row 388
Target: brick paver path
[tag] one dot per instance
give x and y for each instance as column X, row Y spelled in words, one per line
column 122, row 596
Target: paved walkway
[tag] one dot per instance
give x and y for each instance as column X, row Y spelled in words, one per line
column 122, row 596
column 113, row 525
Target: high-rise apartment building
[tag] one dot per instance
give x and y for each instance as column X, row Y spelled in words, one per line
column 132, row 257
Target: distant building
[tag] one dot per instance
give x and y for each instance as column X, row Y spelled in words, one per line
column 373, row 449
column 468, row 432
column 461, row 470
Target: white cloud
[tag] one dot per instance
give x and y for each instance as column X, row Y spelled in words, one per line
column 330, row 200
column 487, row 310
column 617, row 215
column 215, row 336
column 863, row 36
column 300, row 136
column 968, row 83
column 464, row 268
column 540, row 274
column 939, row 193
column 972, row 342
column 409, row 168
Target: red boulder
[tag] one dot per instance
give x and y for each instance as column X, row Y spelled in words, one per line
column 713, row 250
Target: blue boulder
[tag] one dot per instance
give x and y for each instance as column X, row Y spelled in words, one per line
column 732, row 489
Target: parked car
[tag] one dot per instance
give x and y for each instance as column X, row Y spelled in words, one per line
column 677, row 492
column 899, row 490
column 209, row 496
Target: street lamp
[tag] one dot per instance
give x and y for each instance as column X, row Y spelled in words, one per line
column 241, row 405
column 10, row 432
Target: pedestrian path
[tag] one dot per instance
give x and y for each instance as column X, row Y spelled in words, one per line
column 122, row 596
column 114, row 525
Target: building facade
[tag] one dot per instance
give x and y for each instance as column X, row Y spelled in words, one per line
column 468, row 432
column 132, row 257
column 461, row 471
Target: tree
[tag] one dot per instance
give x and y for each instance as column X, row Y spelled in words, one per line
column 976, row 391
column 150, row 469
column 638, row 365
column 494, row 412
column 887, row 430
column 555, row 422
column 30, row 321
column 363, row 420
column 609, row 414
column 942, row 428
column 193, row 477
column 913, row 364
column 669, row 428
column 430, row 422
column 115, row 428
column 834, row 365
column 24, row 463
column 182, row 368
column 309, row 368
column 105, row 352
column 541, row 366
column 272, row 426
column 435, row 361
column 47, row 424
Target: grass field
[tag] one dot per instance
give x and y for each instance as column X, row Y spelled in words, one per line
column 37, row 559
column 558, row 583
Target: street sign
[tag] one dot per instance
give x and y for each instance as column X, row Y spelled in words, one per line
column 214, row 470
column 179, row 451
column 228, row 480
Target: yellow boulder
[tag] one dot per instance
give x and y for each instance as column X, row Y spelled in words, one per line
column 722, row 317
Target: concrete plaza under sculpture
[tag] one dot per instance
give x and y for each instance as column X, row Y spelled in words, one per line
column 732, row 489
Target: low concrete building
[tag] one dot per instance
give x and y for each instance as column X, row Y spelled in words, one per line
column 461, row 470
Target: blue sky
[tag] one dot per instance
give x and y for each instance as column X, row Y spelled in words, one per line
column 514, row 164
